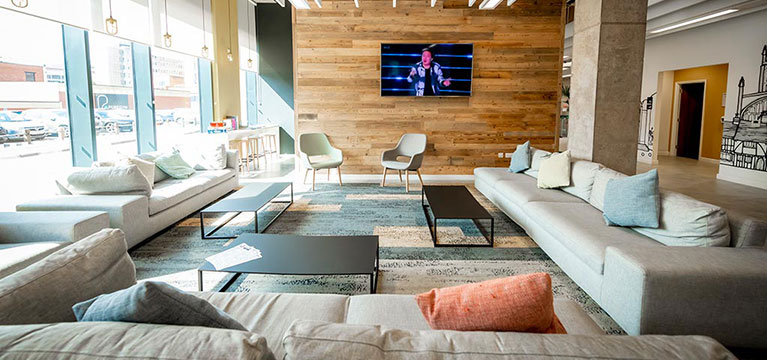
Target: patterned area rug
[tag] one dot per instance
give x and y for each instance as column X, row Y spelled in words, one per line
column 409, row 262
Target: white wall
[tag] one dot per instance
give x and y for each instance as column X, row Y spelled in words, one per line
column 737, row 42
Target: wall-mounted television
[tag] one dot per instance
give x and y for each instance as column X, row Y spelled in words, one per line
column 426, row 69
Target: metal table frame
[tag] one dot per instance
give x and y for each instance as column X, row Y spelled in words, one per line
column 433, row 226
column 208, row 235
column 373, row 275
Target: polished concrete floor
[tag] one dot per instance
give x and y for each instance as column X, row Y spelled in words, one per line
column 698, row 179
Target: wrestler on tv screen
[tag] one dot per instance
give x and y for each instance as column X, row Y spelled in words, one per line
column 426, row 69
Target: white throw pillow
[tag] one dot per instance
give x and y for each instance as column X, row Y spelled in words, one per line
column 113, row 180
column 536, row 158
column 597, row 197
column 204, row 157
column 582, row 174
column 555, row 171
column 146, row 167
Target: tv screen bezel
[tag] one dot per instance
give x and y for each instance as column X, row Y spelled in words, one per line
column 380, row 71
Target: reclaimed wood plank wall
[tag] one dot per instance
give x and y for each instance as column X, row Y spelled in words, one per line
column 516, row 81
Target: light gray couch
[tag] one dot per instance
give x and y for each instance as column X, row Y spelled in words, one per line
column 26, row 237
column 645, row 286
column 37, row 320
column 139, row 216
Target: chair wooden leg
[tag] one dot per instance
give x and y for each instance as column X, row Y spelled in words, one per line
column 328, row 174
column 339, row 176
column 407, row 181
column 314, row 174
column 306, row 174
column 400, row 175
column 383, row 182
column 418, row 171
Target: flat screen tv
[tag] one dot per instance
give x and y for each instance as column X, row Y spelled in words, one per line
column 426, row 69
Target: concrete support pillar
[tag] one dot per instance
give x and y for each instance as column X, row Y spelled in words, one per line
column 608, row 55
column 226, row 68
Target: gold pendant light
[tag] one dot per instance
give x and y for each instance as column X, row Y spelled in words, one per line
column 111, row 22
column 20, row 3
column 229, row 55
column 167, row 38
column 204, row 50
column 250, row 53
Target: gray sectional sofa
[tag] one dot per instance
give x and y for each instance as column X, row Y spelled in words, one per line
column 140, row 216
column 36, row 321
column 646, row 286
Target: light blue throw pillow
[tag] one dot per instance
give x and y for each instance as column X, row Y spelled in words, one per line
column 174, row 165
column 520, row 160
column 153, row 302
column 633, row 201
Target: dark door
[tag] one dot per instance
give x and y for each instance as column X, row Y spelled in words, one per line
column 690, row 120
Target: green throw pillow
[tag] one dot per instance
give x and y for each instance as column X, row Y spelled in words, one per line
column 174, row 165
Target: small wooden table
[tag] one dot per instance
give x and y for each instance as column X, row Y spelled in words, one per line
column 252, row 197
column 454, row 202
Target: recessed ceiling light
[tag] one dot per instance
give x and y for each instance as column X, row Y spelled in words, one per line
column 489, row 4
column 693, row 21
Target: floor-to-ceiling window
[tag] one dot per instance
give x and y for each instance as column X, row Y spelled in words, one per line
column 34, row 124
column 177, row 98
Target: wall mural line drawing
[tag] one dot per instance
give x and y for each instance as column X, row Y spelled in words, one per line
column 646, row 127
column 744, row 140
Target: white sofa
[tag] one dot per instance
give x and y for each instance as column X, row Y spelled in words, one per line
column 26, row 237
column 139, row 216
column 293, row 326
column 645, row 286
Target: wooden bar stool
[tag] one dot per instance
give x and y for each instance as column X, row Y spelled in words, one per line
column 243, row 146
column 270, row 141
column 257, row 150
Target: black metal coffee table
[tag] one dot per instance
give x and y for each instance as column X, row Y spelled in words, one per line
column 454, row 202
column 305, row 255
column 251, row 197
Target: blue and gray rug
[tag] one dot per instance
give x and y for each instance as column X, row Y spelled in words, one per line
column 409, row 262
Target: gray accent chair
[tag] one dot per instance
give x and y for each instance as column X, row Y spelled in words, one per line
column 411, row 146
column 317, row 153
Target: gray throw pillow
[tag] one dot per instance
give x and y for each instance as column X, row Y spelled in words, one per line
column 154, row 303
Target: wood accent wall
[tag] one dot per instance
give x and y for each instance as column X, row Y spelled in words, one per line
column 516, row 85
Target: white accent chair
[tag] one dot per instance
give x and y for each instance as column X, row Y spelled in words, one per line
column 411, row 146
column 317, row 153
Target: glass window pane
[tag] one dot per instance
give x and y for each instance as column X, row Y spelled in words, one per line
column 177, row 100
column 34, row 123
column 112, row 74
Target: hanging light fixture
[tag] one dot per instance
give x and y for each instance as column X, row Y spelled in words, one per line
column 250, row 52
column 204, row 49
column 229, row 55
column 111, row 22
column 167, row 38
column 20, row 3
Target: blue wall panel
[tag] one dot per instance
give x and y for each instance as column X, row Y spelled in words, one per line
column 143, row 98
column 77, row 69
column 205, row 82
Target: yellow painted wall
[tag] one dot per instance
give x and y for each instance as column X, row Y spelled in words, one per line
column 716, row 85
column 226, row 74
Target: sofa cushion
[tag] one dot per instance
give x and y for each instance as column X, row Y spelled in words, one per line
column 309, row 340
column 114, row 180
column 597, row 197
column 154, row 302
column 536, row 158
column 114, row 340
column 204, row 156
column 215, row 177
column 45, row 291
column 685, row 221
column 159, row 175
column 633, row 200
column 555, row 171
column 493, row 175
column 523, row 303
column 523, row 190
column 520, row 159
column 174, row 165
column 271, row 314
column 145, row 166
column 579, row 227
column 582, row 175
column 171, row 192
column 14, row 257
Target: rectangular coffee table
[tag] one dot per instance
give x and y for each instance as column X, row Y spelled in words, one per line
column 251, row 198
column 454, row 202
column 305, row 255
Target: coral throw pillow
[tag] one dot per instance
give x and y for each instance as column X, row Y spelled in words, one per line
column 523, row 303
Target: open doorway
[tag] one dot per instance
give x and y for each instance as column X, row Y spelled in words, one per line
column 689, row 119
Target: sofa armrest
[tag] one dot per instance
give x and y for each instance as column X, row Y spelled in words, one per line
column 716, row 291
column 56, row 226
column 130, row 213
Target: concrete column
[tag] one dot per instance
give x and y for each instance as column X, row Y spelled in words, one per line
column 226, row 73
column 608, row 55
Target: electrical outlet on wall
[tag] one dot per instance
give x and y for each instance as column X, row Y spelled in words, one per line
column 508, row 155
column 500, row 155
